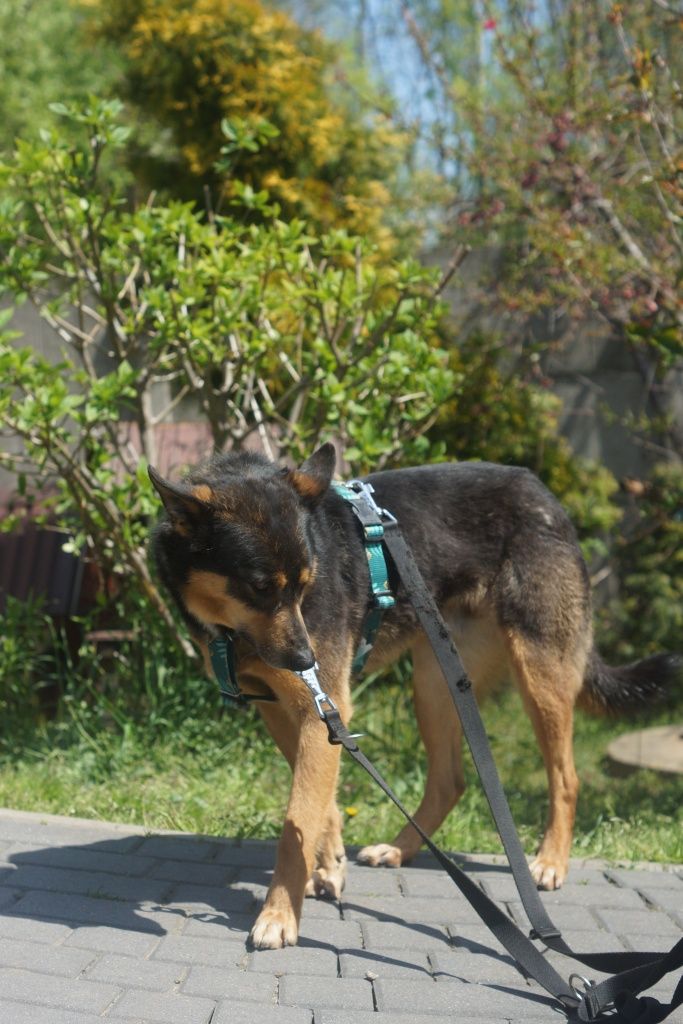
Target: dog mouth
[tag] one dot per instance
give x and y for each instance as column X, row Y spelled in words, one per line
column 297, row 658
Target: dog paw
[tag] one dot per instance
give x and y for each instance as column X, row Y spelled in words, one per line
column 546, row 873
column 274, row 929
column 328, row 883
column 382, row 855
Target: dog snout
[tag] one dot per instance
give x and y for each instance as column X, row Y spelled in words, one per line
column 300, row 660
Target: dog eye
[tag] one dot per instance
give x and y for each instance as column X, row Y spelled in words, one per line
column 260, row 586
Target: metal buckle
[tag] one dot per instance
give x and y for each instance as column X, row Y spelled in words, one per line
column 367, row 491
column 310, row 677
column 583, row 992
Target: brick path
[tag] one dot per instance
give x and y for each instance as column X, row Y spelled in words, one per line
column 108, row 922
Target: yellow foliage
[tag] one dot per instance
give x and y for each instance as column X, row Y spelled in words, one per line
column 193, row 63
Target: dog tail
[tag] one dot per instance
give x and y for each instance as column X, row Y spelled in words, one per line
column 630, row 688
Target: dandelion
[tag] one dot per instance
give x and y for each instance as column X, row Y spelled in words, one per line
column 351, row 811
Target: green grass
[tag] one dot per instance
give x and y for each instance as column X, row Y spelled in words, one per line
column 181, row 763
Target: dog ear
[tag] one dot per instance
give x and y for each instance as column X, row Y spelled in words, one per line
column 313, row 477
column 186, row 508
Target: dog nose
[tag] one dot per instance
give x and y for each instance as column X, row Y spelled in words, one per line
column 300, row 660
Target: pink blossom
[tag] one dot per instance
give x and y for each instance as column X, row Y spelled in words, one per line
column 490, row 23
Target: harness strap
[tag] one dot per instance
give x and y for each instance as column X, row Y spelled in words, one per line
column 222, row 655
column 382, row 598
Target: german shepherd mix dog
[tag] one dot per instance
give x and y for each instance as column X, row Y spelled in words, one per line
column 276, row 556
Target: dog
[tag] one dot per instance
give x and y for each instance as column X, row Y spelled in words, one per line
column 276, row 556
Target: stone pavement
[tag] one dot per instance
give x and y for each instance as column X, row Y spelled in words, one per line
column 109, row 922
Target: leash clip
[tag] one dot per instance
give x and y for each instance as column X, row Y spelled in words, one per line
column 310, row 677
column 581, row 987
column 366, row 491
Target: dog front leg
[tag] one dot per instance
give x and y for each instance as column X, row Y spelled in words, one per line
column 314, row 782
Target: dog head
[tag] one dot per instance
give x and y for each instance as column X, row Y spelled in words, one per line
column 237, row 549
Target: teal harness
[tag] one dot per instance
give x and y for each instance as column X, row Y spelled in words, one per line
column 222, row 648
column 382, row 598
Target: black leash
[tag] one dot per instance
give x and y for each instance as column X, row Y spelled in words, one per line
column 637, row 971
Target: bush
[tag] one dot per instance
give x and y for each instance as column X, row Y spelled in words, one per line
column 268, row 330
column 648, row 562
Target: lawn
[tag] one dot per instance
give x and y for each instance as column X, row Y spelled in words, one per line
column 186, row 764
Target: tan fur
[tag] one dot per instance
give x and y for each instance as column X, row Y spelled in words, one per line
column 203, row 492
column 310, row 846
column 549, row 690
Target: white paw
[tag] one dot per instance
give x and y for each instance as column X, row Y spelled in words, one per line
column 381, row 855
column 274, row 929
column 547, row 874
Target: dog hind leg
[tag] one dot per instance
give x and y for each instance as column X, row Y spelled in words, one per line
column 549, row 685
column 441, row 733
column 329, row 875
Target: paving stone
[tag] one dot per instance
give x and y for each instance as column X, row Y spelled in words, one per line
column 302, row 959
column 649, row 943
column 130, row 972
column 376, row 882
column 254, row 874
column 460, row 965
column 9, row 896
column 172, row 949
column 86, row 883
column 191, row 871
column 429, row 884
column 337, row 993
column 23, row 1013
column 189, row 950
column 365, row 964
column 16, row 927
column 178, row 848
column 581, row 895
column 638, row 922
column 338, row 935
column 65, row 993
column 418, row 911
column 248, row 854
column 335, row 1017
column 230, row 927
column 592, row 895
column 61, row 960
column 596, row 941
column 51, row 832
column 321, row 909
column 467, row 999
column 211, row 898
column 564, row 917
column 476, row 938
column 653, row 879
column 113, row 940
column 81, row 858
column 381, row 935
column 85, row 909
column 157, row 1008
column 223, row 983
column 231, row 1012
